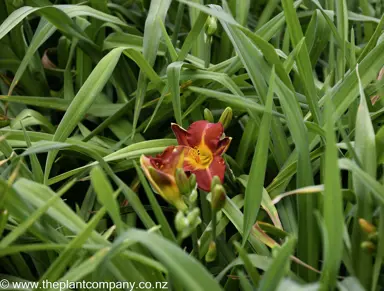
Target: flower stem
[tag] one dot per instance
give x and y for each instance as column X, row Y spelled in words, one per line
column 195, row 244
column 207, row 56
column 214, row 222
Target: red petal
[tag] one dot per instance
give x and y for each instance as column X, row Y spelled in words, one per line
column 223, row 146
column 203, row 131
column 169, row 160
column 180, row 133
column 204, row 177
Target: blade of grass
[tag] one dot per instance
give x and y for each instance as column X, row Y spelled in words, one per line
column 333, row 207
column 198, row 44
column 152, row 35
column 37, row 171
column 105, row 196
column 253, row 273
column 23, row 227
column 179, row 263
column 366, row 153
column 82, row 101
column 303, row 61
column 307, row 243
column 254, row 188
column 56, row 269
column 165, row 227
column 173, row 74
column 363, row 177
column 342, row 27
column 272, row 277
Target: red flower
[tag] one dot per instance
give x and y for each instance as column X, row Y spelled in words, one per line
column 161, row 170
column 204, row 149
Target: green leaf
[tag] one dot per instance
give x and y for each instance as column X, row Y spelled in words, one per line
column 303, row 61
column 272, row 277
column 308, row 241
column 66, row 256
column 255, row 277
column 105, row 196
column 82, row 101
column 255, row 186
column 233, row 100
column 173, row 74
column 24, row 226
column 36, row 167
column 160, row 216
column 365, row 147
column 179, row 264
column 364, row 178
column 333, row 207
column 152, row 35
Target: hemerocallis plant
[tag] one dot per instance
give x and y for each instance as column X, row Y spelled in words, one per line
column 205, row 149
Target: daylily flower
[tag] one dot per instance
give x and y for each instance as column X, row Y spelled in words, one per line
column 161, row 171
column 204, row 148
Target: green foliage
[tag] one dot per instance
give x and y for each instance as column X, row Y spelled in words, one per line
column 88, row 87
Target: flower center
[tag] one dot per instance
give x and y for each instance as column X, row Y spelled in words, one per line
column 202, row 156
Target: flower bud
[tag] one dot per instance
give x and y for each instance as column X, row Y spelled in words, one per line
column 17, row 3
column 161, row 171
column 208, row 116
column 193, row 196
column 374, row 237
column 366, row 226
column 211, row 254
column 192, row 181
column 226, row 117
column 4, row 121
column 193, row 216
column 368, row 246
column 181, row 222
column 218, row 198
column 211, row 25
column 215, row 181
column 182, row 181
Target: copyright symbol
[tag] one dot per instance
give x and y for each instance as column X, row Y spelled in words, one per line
column 4, row 284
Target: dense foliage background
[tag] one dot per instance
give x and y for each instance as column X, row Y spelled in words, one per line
column 87, row 87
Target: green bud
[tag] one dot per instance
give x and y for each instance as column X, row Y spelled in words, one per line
column 208, row 116
column 226, row 117
column 368, row 246
column 4, row 121
column 181, row 222
column 189, row 223
column 218, row 197
column 374, row 237
column 215, row 181
column 211, row 254
column 193, row 196
column 193, row 216
column 211, row 25
column 192, row 181
column 17, row 3
column 182, row 181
